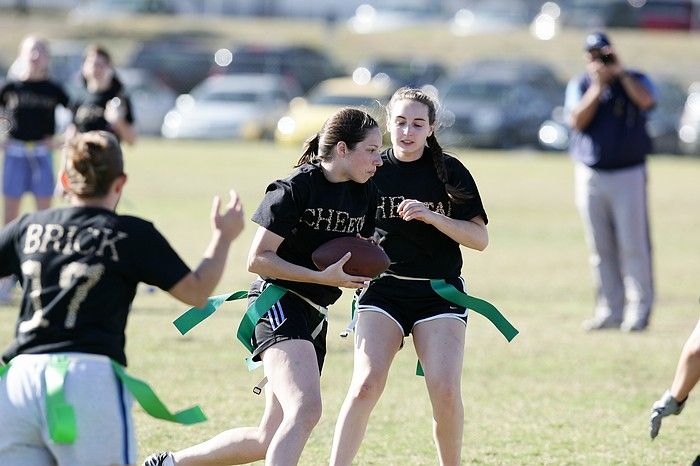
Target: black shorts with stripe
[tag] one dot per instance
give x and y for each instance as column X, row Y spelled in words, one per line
column 290, row 318
column 409, row 301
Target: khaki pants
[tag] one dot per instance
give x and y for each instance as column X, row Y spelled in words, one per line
column 613, row 207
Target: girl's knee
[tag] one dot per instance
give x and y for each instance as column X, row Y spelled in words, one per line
column 446, row 394
column 265, row 435
column 308, row 412
column 369, row 388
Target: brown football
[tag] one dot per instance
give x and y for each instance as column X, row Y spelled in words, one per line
column 367, row 260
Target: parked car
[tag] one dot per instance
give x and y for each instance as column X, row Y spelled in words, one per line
column 306, row 115
column 598, row 14
column 242, row 106
column 151, row 99
column 307, row 65
column 409, row 72
column 689, row 131
column 669, row 14
column 497, row 103
column 391, row 16
column 664, row 123
column 646, row 14
column 66, row 60
column 179, row 63
column 99, row 9
column 553, row 133
column 664, row 120
column 521, row 69
column 478, row 17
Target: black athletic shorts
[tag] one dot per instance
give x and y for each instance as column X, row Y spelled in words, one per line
column 408, row 301
column 290, row 318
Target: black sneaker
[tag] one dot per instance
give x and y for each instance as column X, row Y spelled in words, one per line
column 162, row 458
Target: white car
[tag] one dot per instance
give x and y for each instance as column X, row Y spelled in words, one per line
column 689, row 131
column 150, row 98
column 236, row 106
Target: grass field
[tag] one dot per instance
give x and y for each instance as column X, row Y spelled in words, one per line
column 554, row 396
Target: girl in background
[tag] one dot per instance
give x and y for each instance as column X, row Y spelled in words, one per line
column 29, row 102
column 104, row 106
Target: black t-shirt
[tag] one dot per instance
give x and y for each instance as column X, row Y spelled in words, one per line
column 79, row 268
column 307, row 210
column 88, row 109
column 30, row 106
column 415, row 248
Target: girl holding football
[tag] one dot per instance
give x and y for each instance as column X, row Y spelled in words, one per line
column 429, row 206
column 327, row 196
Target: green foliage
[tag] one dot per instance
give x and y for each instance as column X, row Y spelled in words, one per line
column 555, row 395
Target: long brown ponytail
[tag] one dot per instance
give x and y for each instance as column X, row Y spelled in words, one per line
column 310, row 150
column 349, row 125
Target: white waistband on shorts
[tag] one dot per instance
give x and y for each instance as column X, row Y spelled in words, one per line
column 401, row 277
column 322, row 309
column 71, row 354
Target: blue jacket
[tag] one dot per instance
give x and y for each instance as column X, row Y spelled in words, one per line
column 616, row 137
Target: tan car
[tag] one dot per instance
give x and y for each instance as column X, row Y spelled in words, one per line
column 306, row 115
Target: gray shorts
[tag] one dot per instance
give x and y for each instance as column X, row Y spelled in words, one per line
column 105, row 431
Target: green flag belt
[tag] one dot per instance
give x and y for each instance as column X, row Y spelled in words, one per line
column 486, row 309
column 269, row 296
column 194, row 315
column 453, row 295
column 150, row 402
column 61, row 415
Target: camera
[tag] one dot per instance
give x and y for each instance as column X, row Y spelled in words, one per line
column 608, row 59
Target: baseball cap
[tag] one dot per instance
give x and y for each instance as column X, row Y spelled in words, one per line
column 597, row 40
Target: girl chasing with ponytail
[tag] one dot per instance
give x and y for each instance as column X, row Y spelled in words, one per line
column 80, row 266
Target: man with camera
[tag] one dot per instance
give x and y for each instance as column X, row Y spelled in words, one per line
column 607, row 107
